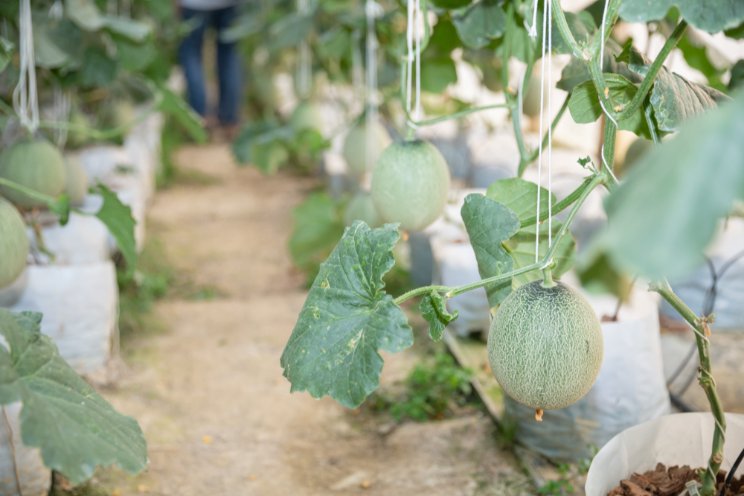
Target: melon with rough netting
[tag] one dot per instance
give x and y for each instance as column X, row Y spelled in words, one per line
column 545, row 345
column 358, row 156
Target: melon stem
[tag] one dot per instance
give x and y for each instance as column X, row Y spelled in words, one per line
column 548, row 281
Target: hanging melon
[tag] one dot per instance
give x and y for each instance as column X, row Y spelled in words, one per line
column 35, row 164
column 306, row 115
column 361, row 207
column 545, row 345
column 410, row 183
column 13, row 243
column 355, row 152
column 76, row 181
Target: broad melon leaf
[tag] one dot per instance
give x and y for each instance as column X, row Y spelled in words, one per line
column 48, row 53
column 519, row 195
column 290, row 31
column 585, row 107
column 175, row 106
column 667, row 210
column 438, row 73
column 480, row 23
column 117, row 217
column 711, row 15
column 450, row 4
column 489, row 224
column 85, row 14
column 434, row 311
column 347, row 318
column 676, row 99
column 75, row 428
column 241, row 146
column 128, row 28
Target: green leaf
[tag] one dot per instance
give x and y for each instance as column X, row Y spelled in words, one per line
column 128, row 28
column 711, row 15
column 290, row 31
column 347, row 318
column 521, row 248
column 519, row 196
column 75, row 428
column 48, row 53
column 581, row 25
column 676, row 99
column 666, row 211
column 516, row 41
column 737, row 76
column 598, row 275
column 480, row 23
column 6, row 52
column 242, row 144
column 434, row 311
column 585, row 107
column 489, row 224
column 696, row 56
column 450, row 4
column 117, row 217
column 437, row 74
column 268, row 155
column 318, row 225
column 175, row 106
column 85, row 14
column 99, row 70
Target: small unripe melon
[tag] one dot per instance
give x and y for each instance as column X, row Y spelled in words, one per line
column 545, row 345
column 13, row 243
column 531, row 99
column 361, row 207
column 35, row 164
column 358, row 157
column 410, row 183
column 78, row 135
column 76, row 181
column 306, row 115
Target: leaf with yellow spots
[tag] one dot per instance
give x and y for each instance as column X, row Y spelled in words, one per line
column 347, row 319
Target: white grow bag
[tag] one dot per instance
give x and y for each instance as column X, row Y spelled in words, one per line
column 33, row 476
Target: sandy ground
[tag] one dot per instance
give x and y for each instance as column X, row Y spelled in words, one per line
column 209, row 392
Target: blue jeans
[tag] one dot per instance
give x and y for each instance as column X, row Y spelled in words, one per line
column 228, row 63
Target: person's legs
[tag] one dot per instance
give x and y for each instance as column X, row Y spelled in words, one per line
column 190, row 56
column 228, row 69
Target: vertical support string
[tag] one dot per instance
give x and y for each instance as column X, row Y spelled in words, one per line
column 304, row 69
column 540, row 145
column 550, row 128
column 413, row 60
column 25, row 96
column 371, row 45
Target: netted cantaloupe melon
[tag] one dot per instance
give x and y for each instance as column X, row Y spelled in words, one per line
column 410, row 183
column 359, row 157
column 545, row 345
column 13, row 243
column 361, row 207
column 35, row 164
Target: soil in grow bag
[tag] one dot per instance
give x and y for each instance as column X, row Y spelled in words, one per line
column 663, row 481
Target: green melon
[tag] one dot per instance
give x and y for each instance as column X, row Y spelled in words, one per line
column 355, row 152
column 13, row 243
column 78, row 135
column 76, row 181
column 361, row 207
column 410, row 183
column 35, row 164
column 531, row 97
column 306, row 115
column 545, row 346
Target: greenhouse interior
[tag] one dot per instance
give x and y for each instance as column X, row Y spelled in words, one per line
column 372, row 247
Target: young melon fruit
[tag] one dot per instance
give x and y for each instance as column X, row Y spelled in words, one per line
column 13, row 243
column 358, row 157
column 35, row 164
column 76, row 181
column 306, row 115
column 531, row 98
column 410, row 183
column 545, row 345
column 361, row 207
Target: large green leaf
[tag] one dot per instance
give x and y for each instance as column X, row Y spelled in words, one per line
column 85, row 14
column 666, row 212
column 48, row 53
column 175, row 106
column 489, row 224
column 128, row 28
column 450, row 4
column 117, row 217
column 290, row 31
column 437, row 74
column 75, row 428
column 519, row 196
column 585, row 107
column 480, row 23
column 347, row 318
column 318, row 225
column 709, row 15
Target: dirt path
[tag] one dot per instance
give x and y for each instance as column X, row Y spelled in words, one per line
column 209, row 392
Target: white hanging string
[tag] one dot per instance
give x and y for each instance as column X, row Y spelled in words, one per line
column 601, row 103
column 371, row 45
column 413, row 73
column 550, row 127
column 532, row 30
column 25, row 96
column 540, row 133
column 357, row 71
column 304, row 68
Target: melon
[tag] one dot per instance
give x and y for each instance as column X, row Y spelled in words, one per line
column 119, row 114
column 545, row 345
column 13, row 243
column 410, row 183
column 76, row 181
column 358, row 157
column 361, row 207
column 306, row 115
column 35, row 164
column 531, row 97
column 78, row 134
